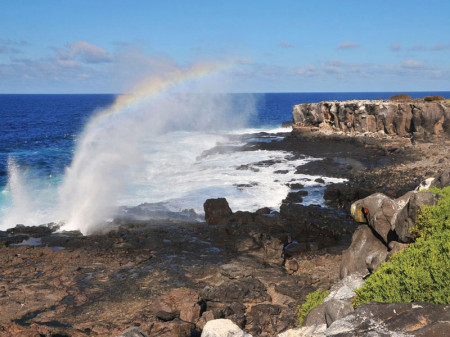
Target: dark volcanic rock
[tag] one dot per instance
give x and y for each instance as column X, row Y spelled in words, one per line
column 243, row 290
column 35, row 231
column 268, row 320
column 217, row 211
column 182, row 302
column 315, row 224
column 343, row 194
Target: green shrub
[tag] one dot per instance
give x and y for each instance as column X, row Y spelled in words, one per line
column 400, row 97
column 421, row 271
column 418, row 273
column 433, row 219
column 312, row 300
column 433, row 98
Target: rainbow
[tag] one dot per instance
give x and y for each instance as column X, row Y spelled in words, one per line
column 154, row 86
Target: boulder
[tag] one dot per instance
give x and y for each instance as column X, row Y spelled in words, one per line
column 316, row 316
column 182, row 302
column 394, row 319
column 407, row 216
column 217, row 211
column 336, row 309
column 442, row 180
column 364, row 244
column 223, row 328
column 235, row 271
column 175, row 328
column 344, row 289
column 269, row 319
column 379, row 212
column 337, row 304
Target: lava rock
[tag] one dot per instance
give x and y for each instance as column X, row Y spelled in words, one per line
column 217, row 211
column 243, row 290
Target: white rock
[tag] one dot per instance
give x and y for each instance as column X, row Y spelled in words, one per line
column 222, row 328
column 344, row 289
column 307, row 331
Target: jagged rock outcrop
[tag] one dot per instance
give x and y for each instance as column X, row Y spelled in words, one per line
column 387, row 224
column 406, row 119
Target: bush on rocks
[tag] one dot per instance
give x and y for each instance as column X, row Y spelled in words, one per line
column 420, row 272
column 433, row 98
column 312, row 300
column 400, row 97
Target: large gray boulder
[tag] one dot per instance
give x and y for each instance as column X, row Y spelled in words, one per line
column 407, row 216
column 365, row 247
column 338, row 302
column 378, row 211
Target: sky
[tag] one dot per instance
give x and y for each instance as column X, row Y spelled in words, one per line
column 96, row 46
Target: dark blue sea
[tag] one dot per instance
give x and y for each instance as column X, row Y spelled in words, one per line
column 39, row 135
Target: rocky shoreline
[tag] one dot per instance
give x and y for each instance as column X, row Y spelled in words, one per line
column 171, row 278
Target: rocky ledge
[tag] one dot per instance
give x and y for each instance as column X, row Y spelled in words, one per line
column 417, row 120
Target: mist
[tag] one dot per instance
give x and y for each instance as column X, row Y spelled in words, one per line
column 108, row 152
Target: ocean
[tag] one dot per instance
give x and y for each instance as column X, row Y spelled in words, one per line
column 58, row 164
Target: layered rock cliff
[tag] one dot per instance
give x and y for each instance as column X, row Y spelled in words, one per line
column 406, row 119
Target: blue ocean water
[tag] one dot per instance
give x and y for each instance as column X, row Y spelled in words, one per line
column 39, row 132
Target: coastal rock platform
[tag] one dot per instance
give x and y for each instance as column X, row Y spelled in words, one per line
column 169, row 278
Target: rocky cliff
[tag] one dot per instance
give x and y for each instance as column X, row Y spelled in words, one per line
column 416, row 119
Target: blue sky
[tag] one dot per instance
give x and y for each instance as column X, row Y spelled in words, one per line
column 100, row 46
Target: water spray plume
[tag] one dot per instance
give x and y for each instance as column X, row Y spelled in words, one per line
column 108, row 150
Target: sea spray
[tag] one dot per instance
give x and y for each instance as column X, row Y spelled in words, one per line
column 109, row 150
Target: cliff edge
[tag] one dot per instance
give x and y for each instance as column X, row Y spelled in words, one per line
column 416, row 119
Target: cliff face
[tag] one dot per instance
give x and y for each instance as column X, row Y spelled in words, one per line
column 409, row 119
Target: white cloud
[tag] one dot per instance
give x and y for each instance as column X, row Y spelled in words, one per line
column 308, row 70
column 84, row 52
column 412, row 64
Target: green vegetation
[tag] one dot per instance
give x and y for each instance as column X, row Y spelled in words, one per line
column 434, row 219
column 312, row 300
column 400, row 97
column 420, row 272
column 433, row 98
